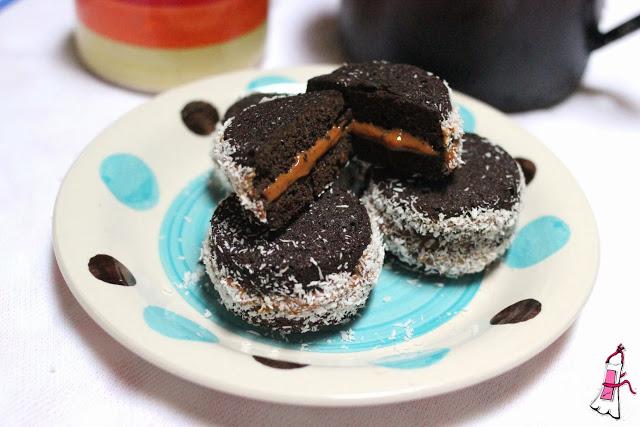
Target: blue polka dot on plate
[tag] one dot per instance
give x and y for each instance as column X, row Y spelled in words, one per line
column 420, row 359
column 258, row 82
column 130, row 180
column 537, row 241
column 172, row 325
column 468, row 119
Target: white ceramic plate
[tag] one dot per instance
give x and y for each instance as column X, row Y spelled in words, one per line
column 138, row 194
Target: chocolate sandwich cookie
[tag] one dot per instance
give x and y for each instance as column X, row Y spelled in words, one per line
column 315, row 273
column 403, row 117
column 279, row 155
column 455, row 226
column 248, row 101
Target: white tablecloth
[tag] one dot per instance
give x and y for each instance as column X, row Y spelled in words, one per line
column 57, row 367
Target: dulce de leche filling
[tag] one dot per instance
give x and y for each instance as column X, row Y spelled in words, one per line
column 393, row 139
column 304, row 163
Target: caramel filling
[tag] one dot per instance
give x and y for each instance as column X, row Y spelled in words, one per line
column 305, row 161
column 393, row 139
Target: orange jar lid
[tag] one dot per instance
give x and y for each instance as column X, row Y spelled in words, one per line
column 172, row 23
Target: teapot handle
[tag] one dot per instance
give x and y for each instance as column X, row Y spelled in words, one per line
column 599, row 39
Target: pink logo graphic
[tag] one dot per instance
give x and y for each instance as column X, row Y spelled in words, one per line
column 607, row 401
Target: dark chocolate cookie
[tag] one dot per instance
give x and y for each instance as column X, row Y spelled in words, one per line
column 315, row 273
column 455, row 226
column 281, row 154
column 403, row 116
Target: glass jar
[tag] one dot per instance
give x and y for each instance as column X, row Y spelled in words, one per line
column 151, row 45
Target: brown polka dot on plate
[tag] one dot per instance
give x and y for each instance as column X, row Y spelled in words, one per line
column 110, row 270
column 278, row 364
column 200, row 117
column 520, row 311
column 528, row 168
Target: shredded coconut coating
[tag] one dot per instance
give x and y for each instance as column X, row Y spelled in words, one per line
column 217, row 178
column 334, row 299
column 452, row 130
column 453, row 246
column 240, row 177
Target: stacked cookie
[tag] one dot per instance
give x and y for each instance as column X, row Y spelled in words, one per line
column 294, row 249
column 288, row 251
